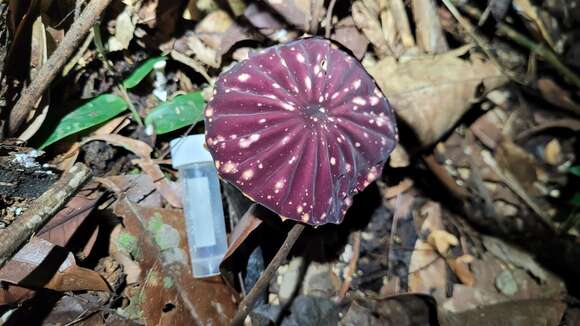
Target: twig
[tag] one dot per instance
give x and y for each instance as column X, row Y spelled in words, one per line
column 524, row 41
column 328, row 26
column 50, row 69
column 316, row 7
column 351, row 267
column 42, row 210
column 248, row 302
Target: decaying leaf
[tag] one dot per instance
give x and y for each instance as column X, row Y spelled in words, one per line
column 162, row 239
column 431, row 93
column 124, row 29
column 517, row 162
column 22, row 269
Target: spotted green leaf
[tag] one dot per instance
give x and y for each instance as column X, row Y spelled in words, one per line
column 182, row 111
column 96, row 111
column 141, row 72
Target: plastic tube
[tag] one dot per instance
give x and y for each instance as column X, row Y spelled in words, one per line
column 202, row 205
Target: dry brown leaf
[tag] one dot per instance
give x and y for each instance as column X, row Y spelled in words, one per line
column 442, row 240
column 517, row 162
column 431, row 93
column 460, row 266
column 219, row 32
column 346, row 33
column 268, row 24
column 152, row 169
column 428, row 29
column 124, row 29
column 488, row 128
column 238, row 245
column 295, row 12
column 556, row 95
column 23, row 269
column 427, row 270
column 367, row 20
column 210, row 301
column 61, row 228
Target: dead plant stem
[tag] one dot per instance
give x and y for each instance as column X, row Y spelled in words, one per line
column 42, row 210
column 48, row 71
column 248, row 302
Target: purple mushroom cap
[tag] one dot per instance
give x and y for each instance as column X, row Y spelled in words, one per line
column 300, row 128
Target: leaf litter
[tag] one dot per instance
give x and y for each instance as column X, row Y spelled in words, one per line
column 473, row 221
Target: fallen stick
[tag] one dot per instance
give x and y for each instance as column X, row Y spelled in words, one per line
column 57, row 60
column 42, row 210
column 248, row 302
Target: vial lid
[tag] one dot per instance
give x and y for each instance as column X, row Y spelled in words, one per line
column 188, row 150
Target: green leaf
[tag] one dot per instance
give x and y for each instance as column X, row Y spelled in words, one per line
column 575, row 200
column 96, row 111
column 182, row 111
column 141, row 72
column 575, row 170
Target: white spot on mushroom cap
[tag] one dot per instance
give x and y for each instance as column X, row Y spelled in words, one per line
column 243, row 77
column 230, row 167
column 248, row 174
column 356, row 84
column 308, row 82
column 246, row 142
column 332, row 161
column 359, row 100
column 300, row 57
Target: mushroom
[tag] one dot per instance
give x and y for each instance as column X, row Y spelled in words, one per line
column 300, row 128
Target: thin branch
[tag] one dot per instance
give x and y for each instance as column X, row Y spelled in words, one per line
column 57, row 60
column 351, row 268
column 328, row 26
column 42, row 210
column 248, row 302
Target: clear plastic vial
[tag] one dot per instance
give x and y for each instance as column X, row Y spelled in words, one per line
column 202, row 204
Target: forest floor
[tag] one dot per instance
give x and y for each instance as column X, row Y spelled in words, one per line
column 475, row 219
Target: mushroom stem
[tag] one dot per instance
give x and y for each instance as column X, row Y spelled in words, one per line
column 249, row 300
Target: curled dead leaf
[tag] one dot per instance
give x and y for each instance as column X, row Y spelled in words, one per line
column 431, row 93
